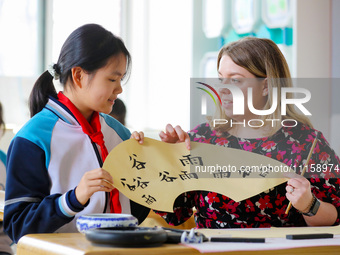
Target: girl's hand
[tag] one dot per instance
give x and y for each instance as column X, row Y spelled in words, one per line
column 175, row 135
column 91, row 182
column 138, row 136
column 299, row 193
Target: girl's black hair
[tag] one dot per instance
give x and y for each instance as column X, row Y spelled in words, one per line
column 89, row 47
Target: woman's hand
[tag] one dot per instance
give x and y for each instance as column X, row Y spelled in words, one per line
column 138, row 136
column 299, row 193
column 175, row 135
column 91, row 182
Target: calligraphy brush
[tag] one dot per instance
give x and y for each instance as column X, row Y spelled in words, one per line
column 305, row 166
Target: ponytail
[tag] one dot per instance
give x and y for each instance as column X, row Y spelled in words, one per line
column 42, row 89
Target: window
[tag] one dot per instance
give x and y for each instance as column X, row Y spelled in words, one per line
column 69, row 15
column 158, row 35
column 19, row 38
column 160, row 42
column 19, row 58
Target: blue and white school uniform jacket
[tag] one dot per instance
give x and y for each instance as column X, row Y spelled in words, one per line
column 45, row 162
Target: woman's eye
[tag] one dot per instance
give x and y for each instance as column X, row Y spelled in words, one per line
column 234, row 81
column 112, row 80
column 222, row 80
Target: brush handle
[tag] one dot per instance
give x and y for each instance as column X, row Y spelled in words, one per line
column 305, row 167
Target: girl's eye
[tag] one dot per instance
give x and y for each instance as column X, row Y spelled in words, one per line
column 113, row 80
column 235, row 81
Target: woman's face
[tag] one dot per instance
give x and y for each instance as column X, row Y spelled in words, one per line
column 100, row 90
column 230, row 73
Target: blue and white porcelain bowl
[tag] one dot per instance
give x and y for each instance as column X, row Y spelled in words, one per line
column 105, row 220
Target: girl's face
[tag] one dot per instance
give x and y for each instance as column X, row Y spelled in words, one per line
column 230, row 73
column 99, row 91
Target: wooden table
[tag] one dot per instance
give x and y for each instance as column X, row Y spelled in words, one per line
column 76, row 244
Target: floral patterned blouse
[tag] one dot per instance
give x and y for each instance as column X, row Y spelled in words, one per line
column 290, row 145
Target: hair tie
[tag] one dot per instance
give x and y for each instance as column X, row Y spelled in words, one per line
column 53, row 72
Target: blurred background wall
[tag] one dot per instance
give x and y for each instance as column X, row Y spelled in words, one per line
column 170, row 42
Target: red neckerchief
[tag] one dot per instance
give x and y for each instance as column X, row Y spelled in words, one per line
column 93, row 130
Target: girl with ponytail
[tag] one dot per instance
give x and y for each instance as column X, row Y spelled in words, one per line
column 54, row 172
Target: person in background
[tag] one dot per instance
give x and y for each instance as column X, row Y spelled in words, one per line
column 54, row 172
column 119, row 111
column 5, row 241
column 259, row 64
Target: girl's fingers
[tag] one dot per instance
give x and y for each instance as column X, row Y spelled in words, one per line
column 108, row 182
column 135, row 135
column 141, row 136
column 170, row 130
column 97, row 176
column 90, row 191
column 138, row 136
column 101, row 173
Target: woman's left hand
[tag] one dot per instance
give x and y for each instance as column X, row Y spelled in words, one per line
column 299, row 193
column 175, row 135
column 138, row 136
